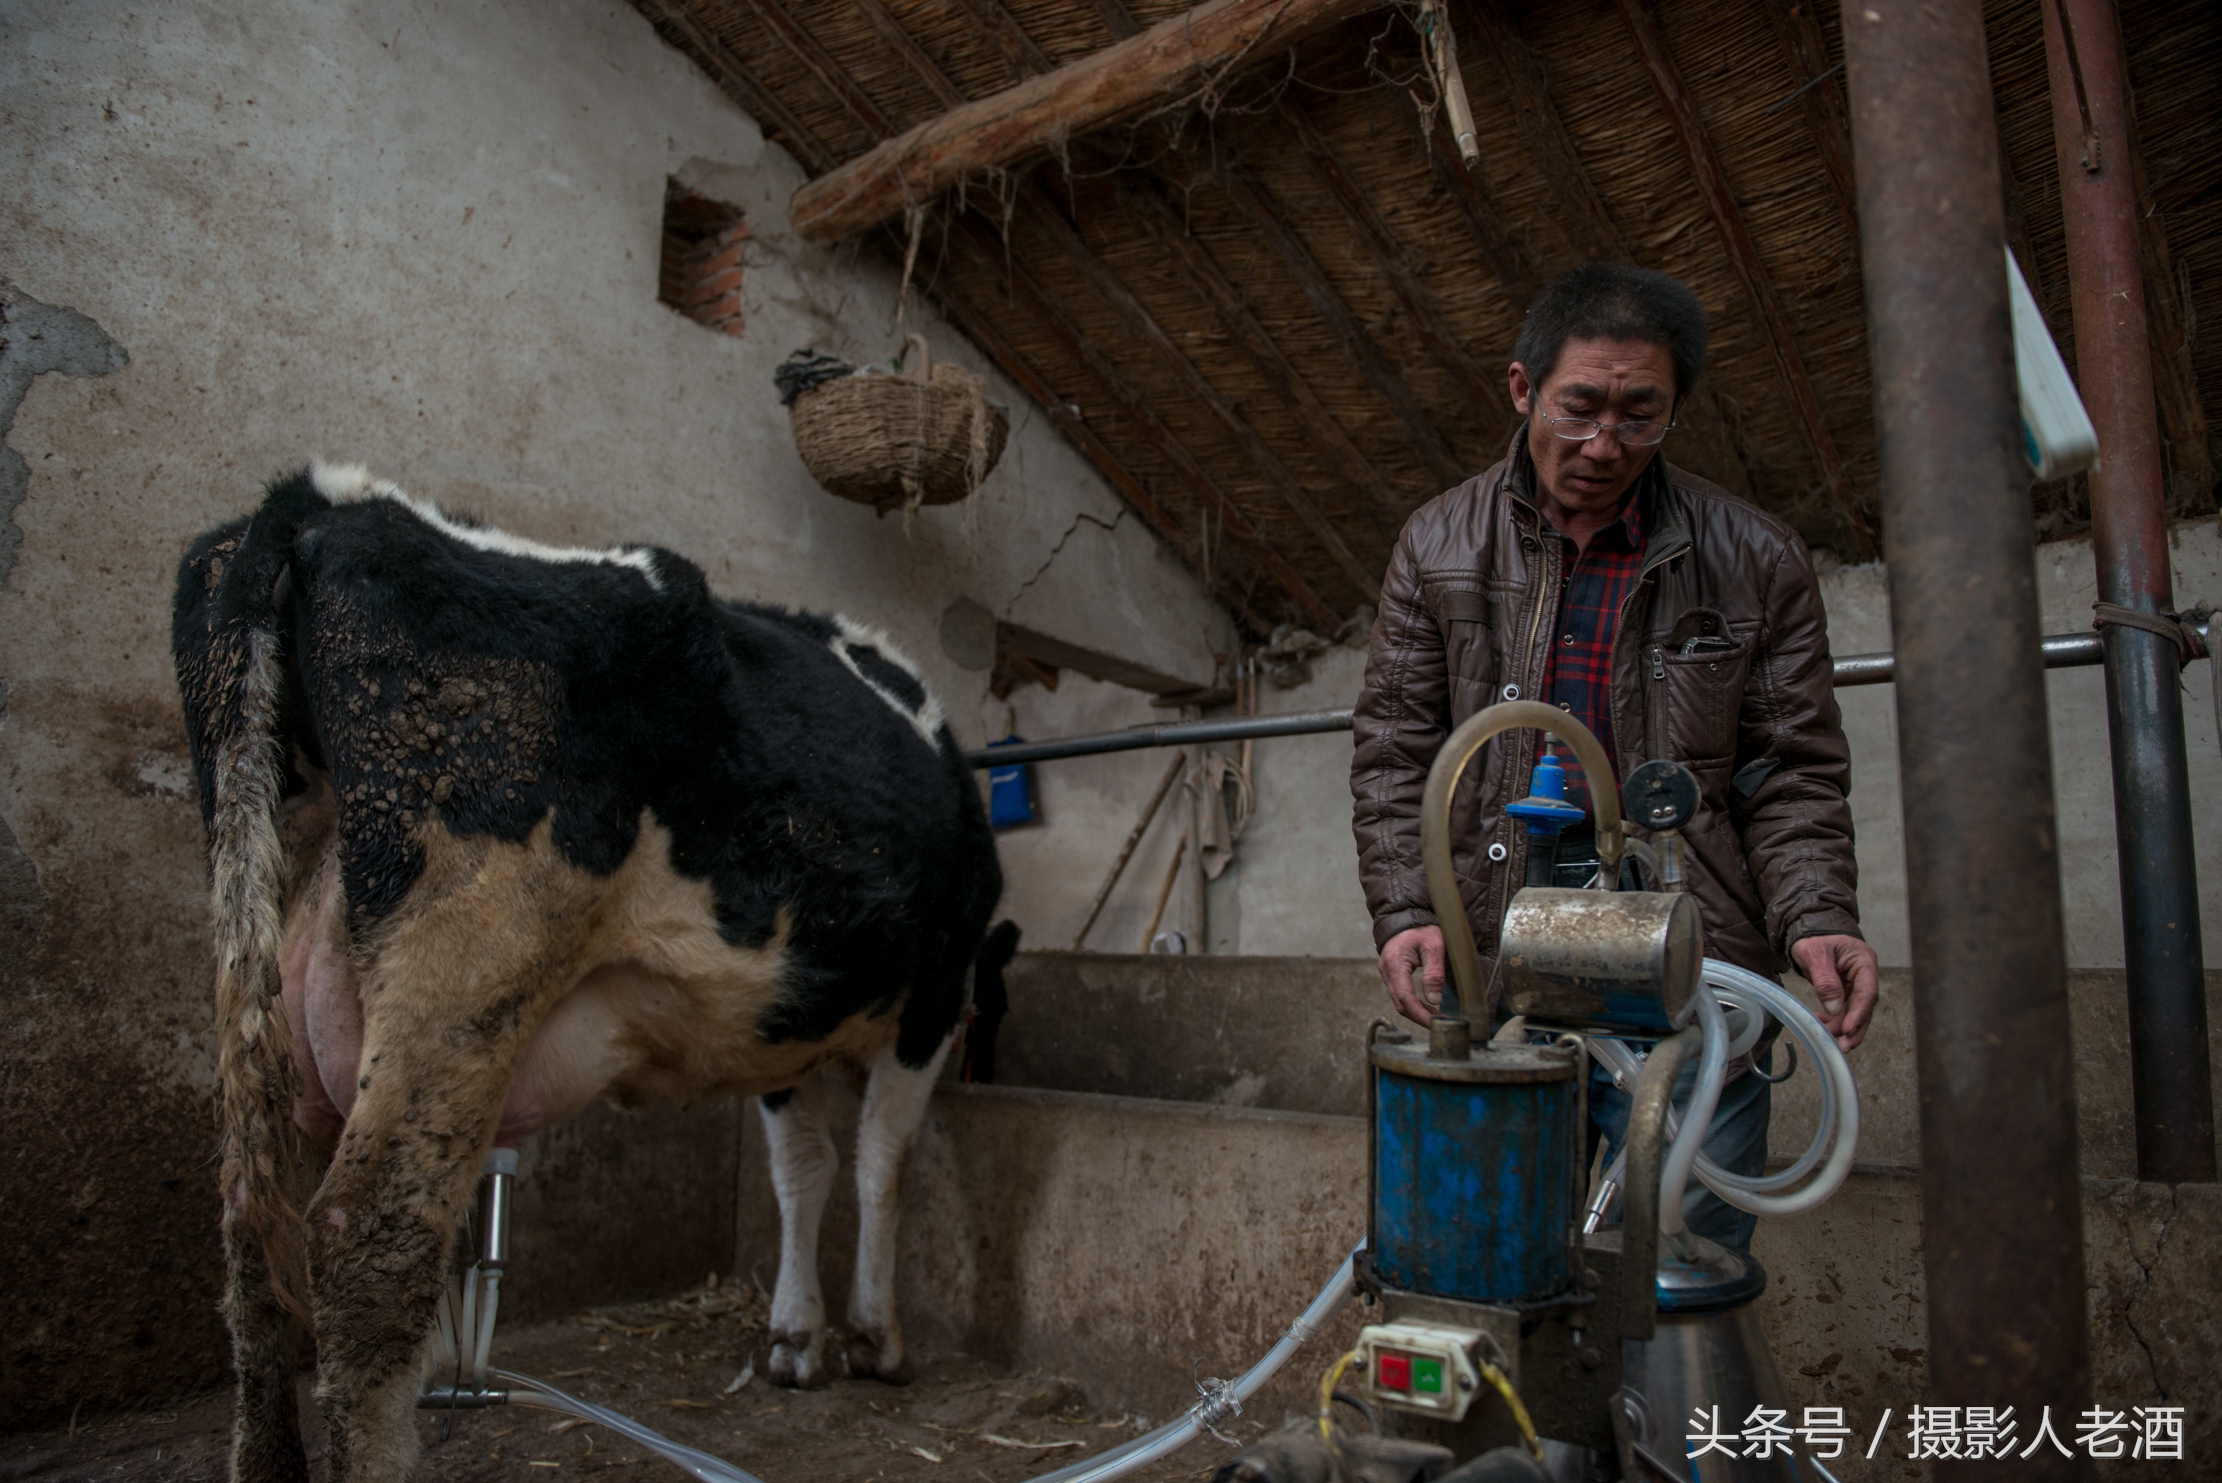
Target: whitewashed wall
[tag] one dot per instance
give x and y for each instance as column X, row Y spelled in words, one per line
column 422, row 235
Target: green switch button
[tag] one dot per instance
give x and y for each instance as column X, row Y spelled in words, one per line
column 1427, row 1375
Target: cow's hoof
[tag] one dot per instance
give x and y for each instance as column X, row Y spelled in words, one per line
column 875, row 1359
column 800, row 1361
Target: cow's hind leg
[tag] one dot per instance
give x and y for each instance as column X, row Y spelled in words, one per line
column 457, row 989
column 266, row 1430
column 895, row 1099
column 803, row 1165
column 382, row 1227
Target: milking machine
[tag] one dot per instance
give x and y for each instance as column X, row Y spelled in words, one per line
column 1520, row 1333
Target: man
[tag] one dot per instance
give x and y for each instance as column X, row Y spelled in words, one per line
column 1673, row 621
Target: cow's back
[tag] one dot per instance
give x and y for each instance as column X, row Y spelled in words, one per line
column 447, row 677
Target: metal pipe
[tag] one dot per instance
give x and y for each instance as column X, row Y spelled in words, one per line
column 1639, row 1208
column 2060, row 651
column 1165, row 734
column 2001, row 1200
column 1464, row 980
column 2170, row 1079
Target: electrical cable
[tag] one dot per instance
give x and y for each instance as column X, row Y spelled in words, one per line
column 1497, row 1377
column 1327, row 1384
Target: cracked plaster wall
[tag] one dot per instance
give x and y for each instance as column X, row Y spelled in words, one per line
column 423, row 236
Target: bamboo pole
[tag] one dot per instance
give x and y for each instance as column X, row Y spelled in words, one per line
column 1165, row 892
column 1126, row 851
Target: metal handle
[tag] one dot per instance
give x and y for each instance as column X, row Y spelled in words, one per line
column 1442, row 782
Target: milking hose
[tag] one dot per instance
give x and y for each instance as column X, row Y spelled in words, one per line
column 1221, row 1400
column 1836, row 1138
column 526, row 1391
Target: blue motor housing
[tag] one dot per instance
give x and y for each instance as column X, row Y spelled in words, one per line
column 1474, row 1164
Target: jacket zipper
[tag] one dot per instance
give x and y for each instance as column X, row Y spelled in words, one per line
column 1535, row 620
column 1654, row 717
column 1529, row 748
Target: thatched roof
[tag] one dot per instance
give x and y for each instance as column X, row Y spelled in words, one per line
column 1278, row 314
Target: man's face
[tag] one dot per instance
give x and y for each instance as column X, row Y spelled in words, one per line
column 1609, row 381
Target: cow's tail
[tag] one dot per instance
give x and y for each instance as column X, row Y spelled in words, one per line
column 261, row 1152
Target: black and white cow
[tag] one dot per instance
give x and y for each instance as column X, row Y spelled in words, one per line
column 497, row 828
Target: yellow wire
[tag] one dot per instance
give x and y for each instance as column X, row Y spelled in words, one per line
column 1496, row 1377
column 1327, row 1384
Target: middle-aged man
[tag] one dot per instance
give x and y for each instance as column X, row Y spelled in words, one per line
column 1673, row 620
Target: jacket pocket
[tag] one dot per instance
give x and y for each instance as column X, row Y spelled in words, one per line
column 1702, row 692
column 1463, row 614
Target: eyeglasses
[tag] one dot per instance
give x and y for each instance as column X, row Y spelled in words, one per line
column 1634, row 434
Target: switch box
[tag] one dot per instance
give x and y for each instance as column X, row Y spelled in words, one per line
column 1420, row 1367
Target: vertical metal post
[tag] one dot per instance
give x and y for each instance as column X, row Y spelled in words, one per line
column 2001, row 1198
column 2171, row 1082
column 1195, row 924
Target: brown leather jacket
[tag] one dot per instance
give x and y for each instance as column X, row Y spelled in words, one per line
column 1466, row 610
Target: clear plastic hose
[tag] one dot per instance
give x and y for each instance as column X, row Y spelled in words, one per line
column 1712, row 1072
column 448, row 1351
column 1752, row 998
column 1839, row 1130
column 526, row 1391
column 1223, row 1400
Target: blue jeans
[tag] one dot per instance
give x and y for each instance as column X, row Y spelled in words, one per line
column 1737, row 1141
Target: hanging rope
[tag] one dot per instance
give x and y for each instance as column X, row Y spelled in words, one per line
column 2178, row 628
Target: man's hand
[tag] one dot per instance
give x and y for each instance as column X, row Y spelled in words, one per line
column 1835, row 966
column 1412, row 971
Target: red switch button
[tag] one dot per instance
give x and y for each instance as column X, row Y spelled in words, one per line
column 1394, row 1371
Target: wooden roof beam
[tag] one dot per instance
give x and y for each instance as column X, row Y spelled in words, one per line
column 1515, row 268
column 1173, row 57
column 1743, row 255
column 986, row 249
column 1021, row 51
column 1113, row 290
column 822, row 65
column 1234, row 315
column 1488, row 390
column 1195, row 265
column 1373, row 363
column 1520, row 76
column 1798, row 33
column 740, row 84
column 928, row 71
column 1117, row 19
column 2183, row 417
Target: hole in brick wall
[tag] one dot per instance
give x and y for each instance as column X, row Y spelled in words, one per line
column 700, row 275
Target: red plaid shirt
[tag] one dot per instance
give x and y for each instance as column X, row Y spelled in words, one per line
column 1592, row 588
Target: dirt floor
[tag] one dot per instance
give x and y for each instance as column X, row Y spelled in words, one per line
column 673, row 1366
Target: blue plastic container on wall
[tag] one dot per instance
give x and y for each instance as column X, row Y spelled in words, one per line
column 1474, row 1168
column 1010, row 790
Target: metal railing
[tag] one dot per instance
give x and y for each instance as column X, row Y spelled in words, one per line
column 2061, row 651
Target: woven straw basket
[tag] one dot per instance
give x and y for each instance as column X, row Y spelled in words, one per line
column 897, row 442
